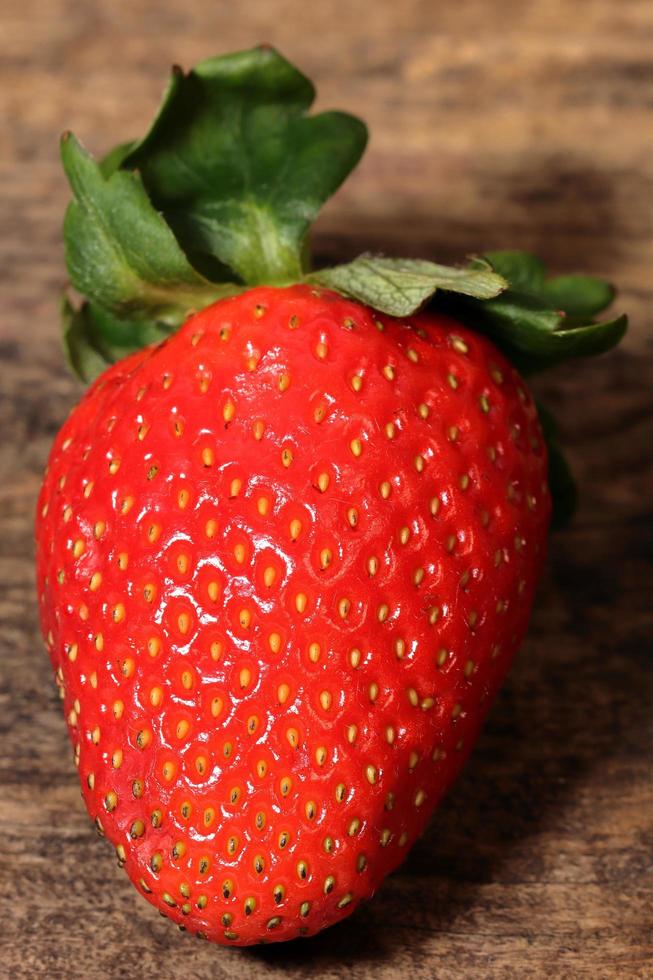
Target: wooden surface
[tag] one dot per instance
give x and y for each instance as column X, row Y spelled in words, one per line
column 494, row 123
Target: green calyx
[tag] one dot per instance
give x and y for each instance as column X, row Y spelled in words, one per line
column 219, row 196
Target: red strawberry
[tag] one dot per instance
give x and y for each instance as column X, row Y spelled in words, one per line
column 285, row 558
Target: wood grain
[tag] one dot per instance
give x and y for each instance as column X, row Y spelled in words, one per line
column 494, row 123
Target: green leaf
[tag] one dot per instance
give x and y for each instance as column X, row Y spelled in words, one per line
column 399, row 287
column 119, row 251
column 525, row 272
column 82, row 354
column 539, row 322
column 113, row 160
column 578, row 296
column 94, row 338
column 237, row 167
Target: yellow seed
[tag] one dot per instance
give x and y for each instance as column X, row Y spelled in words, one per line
column 118, row 613
column 156, row 696
column 235, row 487
column 245, row 618
column 382, row 612
column 400, row 648
column 292, row 736
column 385, row 489
column 183, row 563
column 372, row 565
column 72, row 652
column 355, row 657
column 153, row 646
column 274, row 641
column 216, row 706
column 314, row 652
column 285, row 785
column 356, row 382
column 263, row 506
column 389, row 372
column 352, row 732
column 343, row 608
column 459, row 344
column 356, row 447
column 116, row 759
column 457, row 708
column 325, row 700
column 286, row 457
column 114, row 466
column 245, row 677
column 284, row 382
column 118, row 709
column 240, row 553
column 413, row 696
column 153, row 532
column 300, row 602
column 390, row 430
column 269, row 575
column 99, row 529
column 323, row 482
column 295, row 528
column 326, row 557
column 352, row 516
column 229, row 411
column 419, row 463
column 404, row 535
column 78, row 548
column 373, row 691
column 320, row 755
column 208, row 456
column 390, row 735
column 182, row 728
column 283, row 693
column 418, row 576
column 371, row 774
column 321, row 350
column 183, row 623
column 469, row 668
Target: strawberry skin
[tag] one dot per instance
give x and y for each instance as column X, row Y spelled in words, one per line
column 284, row 561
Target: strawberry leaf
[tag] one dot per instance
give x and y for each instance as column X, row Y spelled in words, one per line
column 540, row 322
column 119, row 251
column 399, row 287
column 237, row 167
column 94, row 338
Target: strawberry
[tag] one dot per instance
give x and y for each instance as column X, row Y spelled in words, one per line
column 287, row 545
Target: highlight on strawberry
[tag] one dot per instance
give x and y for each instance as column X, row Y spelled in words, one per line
column 288, row 540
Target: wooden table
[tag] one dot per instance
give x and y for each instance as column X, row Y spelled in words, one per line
column 494, row 124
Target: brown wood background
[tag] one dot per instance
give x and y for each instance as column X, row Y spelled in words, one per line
column 495, row 123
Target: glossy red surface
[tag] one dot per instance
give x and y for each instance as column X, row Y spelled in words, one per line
column 284, row 561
